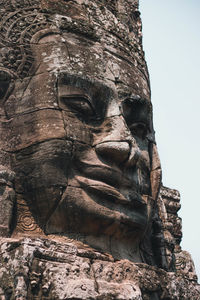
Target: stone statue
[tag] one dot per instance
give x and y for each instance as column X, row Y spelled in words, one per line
column 80, row 174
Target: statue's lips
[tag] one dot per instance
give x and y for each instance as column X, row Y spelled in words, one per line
column 107, row 175
column 122, row 184
column 131, row 208
column 124, row 196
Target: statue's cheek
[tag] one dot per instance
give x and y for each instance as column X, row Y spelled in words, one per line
column 43, row 172
column 76, row 129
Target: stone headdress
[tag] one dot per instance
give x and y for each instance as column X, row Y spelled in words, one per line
column 20, row 20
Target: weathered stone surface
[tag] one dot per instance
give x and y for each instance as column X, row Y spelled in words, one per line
column 83, row 214
column 7, row 200
column 43, row 268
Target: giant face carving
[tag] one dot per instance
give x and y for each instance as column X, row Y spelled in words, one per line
column 82, row 141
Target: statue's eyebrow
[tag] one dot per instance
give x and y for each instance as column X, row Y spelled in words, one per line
column 84, row 83
column 99, row 93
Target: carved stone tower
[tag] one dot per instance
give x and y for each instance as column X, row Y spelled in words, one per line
column 83, row 213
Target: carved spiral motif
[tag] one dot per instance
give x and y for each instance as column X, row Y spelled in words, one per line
column 26, row 222
column 180, row 263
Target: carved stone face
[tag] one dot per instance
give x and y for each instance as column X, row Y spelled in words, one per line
column 82, row 139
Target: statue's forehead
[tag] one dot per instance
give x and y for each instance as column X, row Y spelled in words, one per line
column 74, row 55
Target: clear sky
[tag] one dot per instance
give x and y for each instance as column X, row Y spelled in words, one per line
column 171, row 37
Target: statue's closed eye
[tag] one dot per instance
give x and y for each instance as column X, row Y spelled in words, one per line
column 4, row 83
column 136, row 113
column 79, row 104
column 139, row 129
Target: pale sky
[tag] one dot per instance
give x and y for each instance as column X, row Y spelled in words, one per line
column 171, row 39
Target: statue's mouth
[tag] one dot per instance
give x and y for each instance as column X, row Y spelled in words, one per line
column 122, row 187
column 125, row 195
column 116, row 191
column 103, row 173
column 132, row 205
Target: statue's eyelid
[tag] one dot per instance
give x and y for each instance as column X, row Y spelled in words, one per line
column 80, row 97
column 76, row 96
column 87, row 99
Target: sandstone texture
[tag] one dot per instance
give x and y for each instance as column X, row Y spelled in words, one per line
column 61, row 268
column 83, row 212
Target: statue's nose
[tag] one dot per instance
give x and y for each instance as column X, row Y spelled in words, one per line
column 115, row 151
column 114, row 142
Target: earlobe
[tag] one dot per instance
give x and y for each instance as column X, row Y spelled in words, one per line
column 7, row 201
column 156, row 173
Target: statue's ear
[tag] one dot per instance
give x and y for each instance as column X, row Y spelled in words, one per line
column 156, row 173
column 5, row 81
